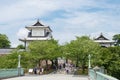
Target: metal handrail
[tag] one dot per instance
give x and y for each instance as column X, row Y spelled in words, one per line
column 95, row 75
column 5, row 73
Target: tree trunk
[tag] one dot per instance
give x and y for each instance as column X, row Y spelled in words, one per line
column 66, row 60
column 52, row 65
column 83, row 66
column 39, row 63
column 46, row 64
column 56, row 62
column 77, row 60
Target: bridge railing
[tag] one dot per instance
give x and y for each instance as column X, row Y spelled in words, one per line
column 95, row 75
column 6, row 73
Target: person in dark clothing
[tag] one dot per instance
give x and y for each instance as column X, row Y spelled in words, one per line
column 64, row 65
column 35, row 70
column 60, row 66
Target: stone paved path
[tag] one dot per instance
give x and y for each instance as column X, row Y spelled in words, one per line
column 50, row 77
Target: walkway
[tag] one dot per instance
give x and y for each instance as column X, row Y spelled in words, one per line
column 50, row 77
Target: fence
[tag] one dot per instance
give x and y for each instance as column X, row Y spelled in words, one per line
column 95, row 75
column 6, row 73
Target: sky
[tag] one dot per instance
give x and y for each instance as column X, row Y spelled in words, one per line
column 66, row 18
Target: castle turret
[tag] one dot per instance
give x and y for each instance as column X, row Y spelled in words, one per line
column 37, row 32
column 103, row 41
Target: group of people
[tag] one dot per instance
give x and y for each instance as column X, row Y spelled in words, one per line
column 66, row 67
column 38, row 70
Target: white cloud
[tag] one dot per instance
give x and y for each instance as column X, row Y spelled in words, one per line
column 35, row 8
column 84, row 23
column 81, row 17
column 25, row 9
column 22, row 33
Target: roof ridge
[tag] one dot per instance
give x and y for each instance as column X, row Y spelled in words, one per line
column 38, row 23
column 101, row 37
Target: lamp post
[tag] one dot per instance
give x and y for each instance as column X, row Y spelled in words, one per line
column 19, row 66
column 89, row 65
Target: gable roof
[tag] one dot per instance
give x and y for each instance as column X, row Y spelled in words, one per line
column 101, row 37
column 38, row 23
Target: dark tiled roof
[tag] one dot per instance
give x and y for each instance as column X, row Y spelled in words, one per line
column 101, row 37
column 38, row 24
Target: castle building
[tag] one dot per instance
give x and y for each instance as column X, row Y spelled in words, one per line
column 37, row 32
column 103, row 41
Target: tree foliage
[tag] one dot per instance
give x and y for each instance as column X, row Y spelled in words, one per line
column 76, row 50
column 117, row 39
column 79, row 50
column 114, row 68
column 4, row 42
column 45, row 50
column 20, row 46
column 11, row 60
column 110, row 59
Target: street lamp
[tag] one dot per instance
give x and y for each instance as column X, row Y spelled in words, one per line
column 89, row 66
column 19, row 66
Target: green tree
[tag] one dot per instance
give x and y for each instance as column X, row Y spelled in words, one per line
column 110, row 59
column 45, row 50
column 20, row 46
column 114, row 68
column 79, row 50
column 11, row 60
column 4, row 42
column 104, row 58
column 117, row 39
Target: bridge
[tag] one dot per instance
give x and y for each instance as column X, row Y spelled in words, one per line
column 50, row 77
column 14, row 74
column 18, row 74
